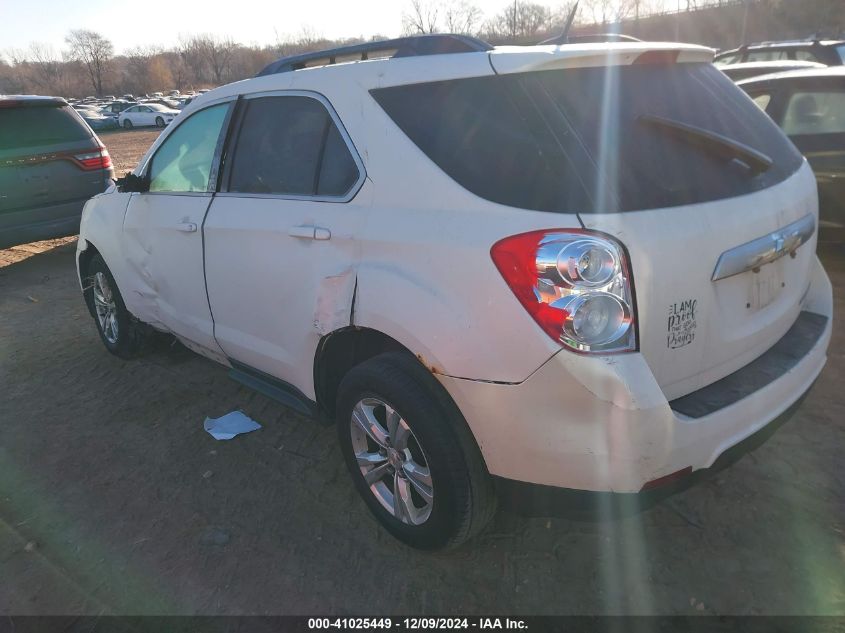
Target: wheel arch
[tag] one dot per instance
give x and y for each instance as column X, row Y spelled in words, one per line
column 345, row 348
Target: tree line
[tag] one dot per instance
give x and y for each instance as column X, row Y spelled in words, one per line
column 88, row 65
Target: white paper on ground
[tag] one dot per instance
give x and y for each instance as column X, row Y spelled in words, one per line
column 230, row 425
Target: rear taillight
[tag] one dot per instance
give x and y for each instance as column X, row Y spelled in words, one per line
column 93, row 160
column 576, row 284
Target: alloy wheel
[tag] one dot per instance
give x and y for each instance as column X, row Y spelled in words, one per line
column 392, row 461
column 105, row 307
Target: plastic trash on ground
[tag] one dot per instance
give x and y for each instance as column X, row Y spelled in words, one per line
column 230, row 425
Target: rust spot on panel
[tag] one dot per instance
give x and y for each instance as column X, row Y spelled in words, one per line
column 430, row 367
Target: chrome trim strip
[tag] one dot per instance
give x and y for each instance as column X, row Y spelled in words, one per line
column 764, row 250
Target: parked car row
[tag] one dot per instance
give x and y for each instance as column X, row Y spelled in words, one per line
column 105, row 114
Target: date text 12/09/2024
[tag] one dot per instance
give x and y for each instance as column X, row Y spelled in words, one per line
column 413, row 624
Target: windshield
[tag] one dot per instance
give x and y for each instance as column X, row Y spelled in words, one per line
column 841, row 50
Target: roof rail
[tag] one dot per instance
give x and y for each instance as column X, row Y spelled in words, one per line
column 412, row 46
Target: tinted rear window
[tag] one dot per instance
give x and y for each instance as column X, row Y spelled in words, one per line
column 572, row 140
column 43, row 125
column 289, row 145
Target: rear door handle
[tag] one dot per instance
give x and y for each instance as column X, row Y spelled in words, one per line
column 310, row 232
column 187, row 227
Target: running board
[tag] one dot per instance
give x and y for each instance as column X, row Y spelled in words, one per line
column 278, row 390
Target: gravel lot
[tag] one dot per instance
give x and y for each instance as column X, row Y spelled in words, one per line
column 114, row 500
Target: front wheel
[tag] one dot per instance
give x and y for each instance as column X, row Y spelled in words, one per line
column 127, row 124
column 411, row 455
column 120, row 333
column 159, row 122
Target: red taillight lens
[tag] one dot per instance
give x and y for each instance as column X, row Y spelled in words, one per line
column 94, row 160
column 576, row 284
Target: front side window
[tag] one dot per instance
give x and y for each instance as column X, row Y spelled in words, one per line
column 289, row 145
column 183, row 162
column 815, row 113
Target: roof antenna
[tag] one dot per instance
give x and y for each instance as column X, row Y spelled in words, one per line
column 563, row 38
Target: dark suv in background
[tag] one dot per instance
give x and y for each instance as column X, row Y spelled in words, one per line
column 51, row 163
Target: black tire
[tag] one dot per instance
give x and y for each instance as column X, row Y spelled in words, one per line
column 464, row 499
column 131, row 334
column 159, row 122
column 127, row 124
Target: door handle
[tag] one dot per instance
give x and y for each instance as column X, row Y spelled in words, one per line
column 187, row 227
column 310, row 232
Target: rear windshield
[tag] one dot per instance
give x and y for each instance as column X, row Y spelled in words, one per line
column 39, row 125
column 573, row 141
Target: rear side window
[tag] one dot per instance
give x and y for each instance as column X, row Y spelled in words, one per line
column 575, row 141
column 289, row 145
column 815, row 113
column 26, row 127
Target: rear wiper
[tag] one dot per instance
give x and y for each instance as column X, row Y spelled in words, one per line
column 720, row 145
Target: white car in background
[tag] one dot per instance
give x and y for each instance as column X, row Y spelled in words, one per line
column 495, row 280
column 146, row 115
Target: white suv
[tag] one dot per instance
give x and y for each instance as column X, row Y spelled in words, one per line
column 500, row 270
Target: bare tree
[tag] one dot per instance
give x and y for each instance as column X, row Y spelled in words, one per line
column 521, row 19
column 611, row 11
column 48, row 69
column 421, row 17
column 192, row 53
column 94, row 51
column 461, row 16
column 219, row 51
column 207, row 57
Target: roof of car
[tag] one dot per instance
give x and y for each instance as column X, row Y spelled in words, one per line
column 335, row 79
column 827, row 71
column 783, row 63
column 783, row 44
column 9, row 101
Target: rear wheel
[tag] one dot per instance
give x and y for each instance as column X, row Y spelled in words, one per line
column 159, row 122
column 127, row 124
column 410, row 453
column 122, row 335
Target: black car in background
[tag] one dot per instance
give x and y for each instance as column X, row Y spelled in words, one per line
column 809, row 105
column 827, row 52
column 51, row 163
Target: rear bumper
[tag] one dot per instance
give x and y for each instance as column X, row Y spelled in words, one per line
column 40, row 223
column 603, row 424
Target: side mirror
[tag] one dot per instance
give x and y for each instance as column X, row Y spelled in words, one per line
column 131, row 183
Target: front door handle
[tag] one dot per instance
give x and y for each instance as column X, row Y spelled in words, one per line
column 310, row 232
column 187, row 227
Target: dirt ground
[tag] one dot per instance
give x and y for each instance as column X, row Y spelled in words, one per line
column 114, row 500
